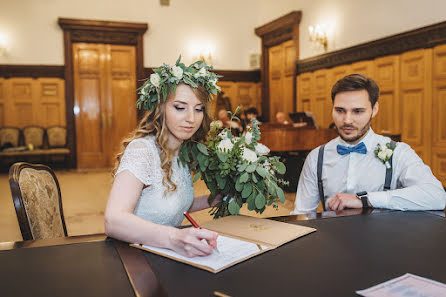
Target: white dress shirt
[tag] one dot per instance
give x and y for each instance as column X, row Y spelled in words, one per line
column 413, row 185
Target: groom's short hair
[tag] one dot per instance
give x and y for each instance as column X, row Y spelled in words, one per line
column 356, row 82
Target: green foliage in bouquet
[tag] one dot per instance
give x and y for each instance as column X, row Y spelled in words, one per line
column 236, row 167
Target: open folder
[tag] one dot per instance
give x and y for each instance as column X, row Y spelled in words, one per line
column 240, row 238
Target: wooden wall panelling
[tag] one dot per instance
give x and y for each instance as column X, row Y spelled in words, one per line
column 51, row 110
column 415, row 100
column 304, row 90
column 438, row 113
column 386, row 73
column 24, row 102
column 322, row 97
column 258, row 104
column 230, row 90
column 2, row 102
column 246, row 95
column 363, row 67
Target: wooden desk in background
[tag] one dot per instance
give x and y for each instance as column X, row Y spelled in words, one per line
column 349, row 251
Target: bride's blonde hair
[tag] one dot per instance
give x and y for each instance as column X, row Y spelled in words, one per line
column 154, row 123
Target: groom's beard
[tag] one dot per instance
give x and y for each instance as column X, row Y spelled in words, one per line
column 355, row 138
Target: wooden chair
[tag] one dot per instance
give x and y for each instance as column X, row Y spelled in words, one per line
column 37, row 201
column 9, row 135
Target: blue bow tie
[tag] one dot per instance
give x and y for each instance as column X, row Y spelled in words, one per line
column 359, row 148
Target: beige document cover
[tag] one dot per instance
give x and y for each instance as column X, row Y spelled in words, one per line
column 241, row 238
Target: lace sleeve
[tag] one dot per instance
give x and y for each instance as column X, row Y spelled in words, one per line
column 140, row 159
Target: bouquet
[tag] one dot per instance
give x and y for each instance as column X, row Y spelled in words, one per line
column 236, row 167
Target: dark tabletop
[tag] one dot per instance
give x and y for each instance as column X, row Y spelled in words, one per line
column 345, row 254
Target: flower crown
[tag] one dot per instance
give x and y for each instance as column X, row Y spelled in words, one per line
column 166, row 78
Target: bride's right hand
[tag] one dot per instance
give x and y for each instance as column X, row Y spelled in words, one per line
column 189, row 241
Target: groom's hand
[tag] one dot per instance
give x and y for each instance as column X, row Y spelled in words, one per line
column 341, row 201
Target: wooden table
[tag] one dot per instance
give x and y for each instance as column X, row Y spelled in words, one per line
column 350, row 250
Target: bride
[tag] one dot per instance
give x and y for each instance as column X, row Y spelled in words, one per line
column 151, row 189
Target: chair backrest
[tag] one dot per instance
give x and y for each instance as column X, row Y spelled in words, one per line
column 9, row 135
column 37, row 201
column 33, row 135
column 57, row 136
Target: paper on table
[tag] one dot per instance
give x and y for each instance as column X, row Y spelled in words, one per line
column 408, row 285
column 231, row 251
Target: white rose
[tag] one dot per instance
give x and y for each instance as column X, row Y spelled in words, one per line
column 155, row 79
column 248, row 137
column 389, row 153
column 223, row 134
column 249, row 155
column 261, row 149
column 202, row 71
column 177, row 71
column 382, row 155
column 225, row 145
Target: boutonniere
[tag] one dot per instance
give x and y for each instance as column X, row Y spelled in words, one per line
column 384, row 153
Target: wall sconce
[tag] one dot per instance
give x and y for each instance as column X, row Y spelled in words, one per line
column 319, row 35
column 3, row 45
column 203, row 54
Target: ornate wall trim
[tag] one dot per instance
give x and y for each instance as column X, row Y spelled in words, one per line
column 34, row 71
column 425, row 37
column 228, row 75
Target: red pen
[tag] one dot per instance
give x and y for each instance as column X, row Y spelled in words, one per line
column 192, row 221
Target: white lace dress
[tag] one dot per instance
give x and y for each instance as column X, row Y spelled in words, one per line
column 141, row 158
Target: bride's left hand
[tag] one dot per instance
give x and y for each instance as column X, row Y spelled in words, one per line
column 217, row 199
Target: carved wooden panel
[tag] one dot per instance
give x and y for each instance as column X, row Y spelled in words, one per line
column 51, row 102
column 321, row 82
column 23, row 104
column 304, row 84
column 363, row 67
column 386, row 75
column 276, row 62
column 412, row 67
column 439, row 65
column 305, row 105
column 383, row 121
column 438, row 114
column 412, row 116
column 439, row 164
column 321, row 112
column 337, row 73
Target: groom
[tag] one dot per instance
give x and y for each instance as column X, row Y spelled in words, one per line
column 347, row 173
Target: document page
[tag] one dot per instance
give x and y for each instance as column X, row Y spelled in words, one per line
column 408, row 285
column 230, row 251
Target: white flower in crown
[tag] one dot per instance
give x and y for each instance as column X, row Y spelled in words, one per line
column 225, row 145
column 249, row 155
column 223, row 134
column 177, row 72
column 248, row 137
column 201, row 72
column 261, row 149
column 155, row 79
column 384, row 153
column 144, row 91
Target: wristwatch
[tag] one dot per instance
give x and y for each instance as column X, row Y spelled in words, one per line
column 364, row 198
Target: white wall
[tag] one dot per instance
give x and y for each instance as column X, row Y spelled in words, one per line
column 351, row 22
column 226, row 26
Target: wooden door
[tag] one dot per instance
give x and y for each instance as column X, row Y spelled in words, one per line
column 282, row 59
column 104, row 100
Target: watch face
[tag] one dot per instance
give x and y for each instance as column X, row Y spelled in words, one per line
column 361, row 193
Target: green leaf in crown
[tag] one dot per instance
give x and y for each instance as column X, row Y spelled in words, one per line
column 166, row 78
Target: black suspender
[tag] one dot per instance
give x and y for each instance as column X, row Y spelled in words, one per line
column 388, row 179
column 320, row 185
